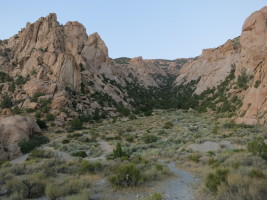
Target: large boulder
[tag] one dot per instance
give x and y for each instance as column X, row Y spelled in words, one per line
column 14, row 129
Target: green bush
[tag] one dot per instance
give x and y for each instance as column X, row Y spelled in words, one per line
column 4, row 77
column 49, row 117
column 132, row 117
column 194, row 157
column 35, row 96
column 53, row 192
column 81, row 154
column 85, row 118
column 242, row 80
column 76, row 124
column 11, row 87
column 90, row 167
column 41, row 124
column 129, row 138
column 257, row 84
column 35, row 141
column 6, row 102
column 213, row 180
column 118, row 153
column 168, row 125
column 21, row 80
column 255, row 173
column 150, row 139
column 16, row 110
column 65, row 141
column 258, row 148
column 155, row 196
column 82, row 195
column 127, row 175
column 28, row 188
column 39, row 153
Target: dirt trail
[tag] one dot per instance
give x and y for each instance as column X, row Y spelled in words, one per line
column 106, row 147
column 179, row 188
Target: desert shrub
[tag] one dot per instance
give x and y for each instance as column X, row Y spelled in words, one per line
column 257, row 84
column 28, row 188
column 49, row 117
column 69, row 187
column 4, row 77
column 35, row 141
column 74, row 135
column 127, row 175
column 82, row 195
column 258, row 148
column 53, row 192
column 162, row 132
column 65, row 141
column 155, row 196
column 76, row 124
column 35, row 96
column 213, row 180
column 85, row 118
column 12, row 87
column 168, row 125
column 149, row 139
column 255, row 173
column 44, row 105
column 132, row 117
column 129, row 138
column 29, row 110
column 90, row 167
column 81, row 154
column 40, row 153
column 194, row 157
column 81, row 67
column 16, row 110
column 6, row 102
column 152, row 174
column 213, row 163
column 41, row 124
column 21, row 80
column 239, row 187
column 148, row 112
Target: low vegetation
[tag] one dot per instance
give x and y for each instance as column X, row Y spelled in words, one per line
column 232, row 172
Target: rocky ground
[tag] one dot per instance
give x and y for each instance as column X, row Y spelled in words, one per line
column 177, row 135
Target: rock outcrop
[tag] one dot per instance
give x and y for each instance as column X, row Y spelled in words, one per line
column 248, row 53
column 73, row 69
column 14, row 129
column 212, row 66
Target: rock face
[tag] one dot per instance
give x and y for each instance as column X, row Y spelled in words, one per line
column 14, row 129
column 55, row 67
column 212, row 66
column 248, row 52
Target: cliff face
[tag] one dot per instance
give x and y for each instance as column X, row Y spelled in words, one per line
column 212, row 66
column 248, row 53
column 253, row 58
column 71, row 69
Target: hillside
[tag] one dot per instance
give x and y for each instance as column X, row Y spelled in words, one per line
column 246, row 55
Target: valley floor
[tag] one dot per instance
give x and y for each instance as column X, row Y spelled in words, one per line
column 170, row 154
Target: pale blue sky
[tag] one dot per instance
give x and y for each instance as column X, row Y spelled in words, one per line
column 150, row 28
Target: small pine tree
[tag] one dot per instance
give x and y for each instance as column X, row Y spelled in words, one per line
column 117, row 153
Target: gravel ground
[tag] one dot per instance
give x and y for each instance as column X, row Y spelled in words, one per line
column 179, row 188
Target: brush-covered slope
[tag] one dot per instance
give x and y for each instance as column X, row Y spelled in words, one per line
column 246, row 55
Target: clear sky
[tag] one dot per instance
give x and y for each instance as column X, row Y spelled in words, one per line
column 150, row 28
